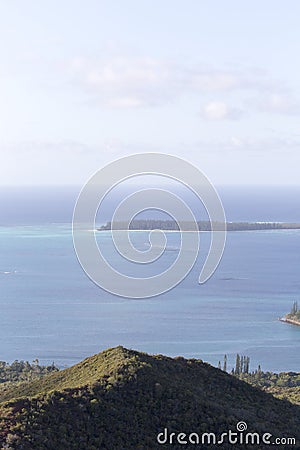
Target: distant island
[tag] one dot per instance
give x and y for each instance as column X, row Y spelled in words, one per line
column 294, row 316
column 171, row 225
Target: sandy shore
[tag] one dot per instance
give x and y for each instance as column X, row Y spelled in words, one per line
column 291, row 321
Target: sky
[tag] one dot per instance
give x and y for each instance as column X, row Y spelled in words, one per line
column 83, row 83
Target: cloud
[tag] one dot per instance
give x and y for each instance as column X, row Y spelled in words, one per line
column 236, row 142
column 217, row 110
column 247, row 147
column 148, row 82
column 54, row 162
column 279, row 103
column 134, row 83
column 125, row 83
column 233, row 160
column 125, row 102
column 215, row 81
column 280, row 145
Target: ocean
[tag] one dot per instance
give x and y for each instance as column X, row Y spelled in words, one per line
column 50, row 310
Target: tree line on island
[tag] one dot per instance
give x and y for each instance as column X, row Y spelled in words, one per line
column 23, row 370
column 295, row 312
column 203, row 225
column 282, row 385
column 242, row 365
column 293, row 317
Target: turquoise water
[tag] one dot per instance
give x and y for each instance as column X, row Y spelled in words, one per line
column 51, row 310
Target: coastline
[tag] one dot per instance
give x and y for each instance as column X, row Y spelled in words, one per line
column 290, row 321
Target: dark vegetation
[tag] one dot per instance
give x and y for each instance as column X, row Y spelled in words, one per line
column 284, row 385
column 171, row 225
column 121, row 399
column 23, row 371
column 295, row 313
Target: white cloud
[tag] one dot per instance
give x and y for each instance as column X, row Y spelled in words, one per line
column 71, row 162
column 215, row 81
column 236, row 142
column 267, row 145
column 120, row 71
column 217, row 110
column 143, row 82
column 279, row 103
column 124, row 83
column 125, row 102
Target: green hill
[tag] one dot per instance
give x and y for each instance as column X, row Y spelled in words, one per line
column 121, row 399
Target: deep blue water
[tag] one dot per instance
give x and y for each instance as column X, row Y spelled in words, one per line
column 51, row 310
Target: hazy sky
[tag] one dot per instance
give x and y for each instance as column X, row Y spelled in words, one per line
column 85, row 82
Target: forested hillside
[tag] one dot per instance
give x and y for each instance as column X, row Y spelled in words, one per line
column 121, row 399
